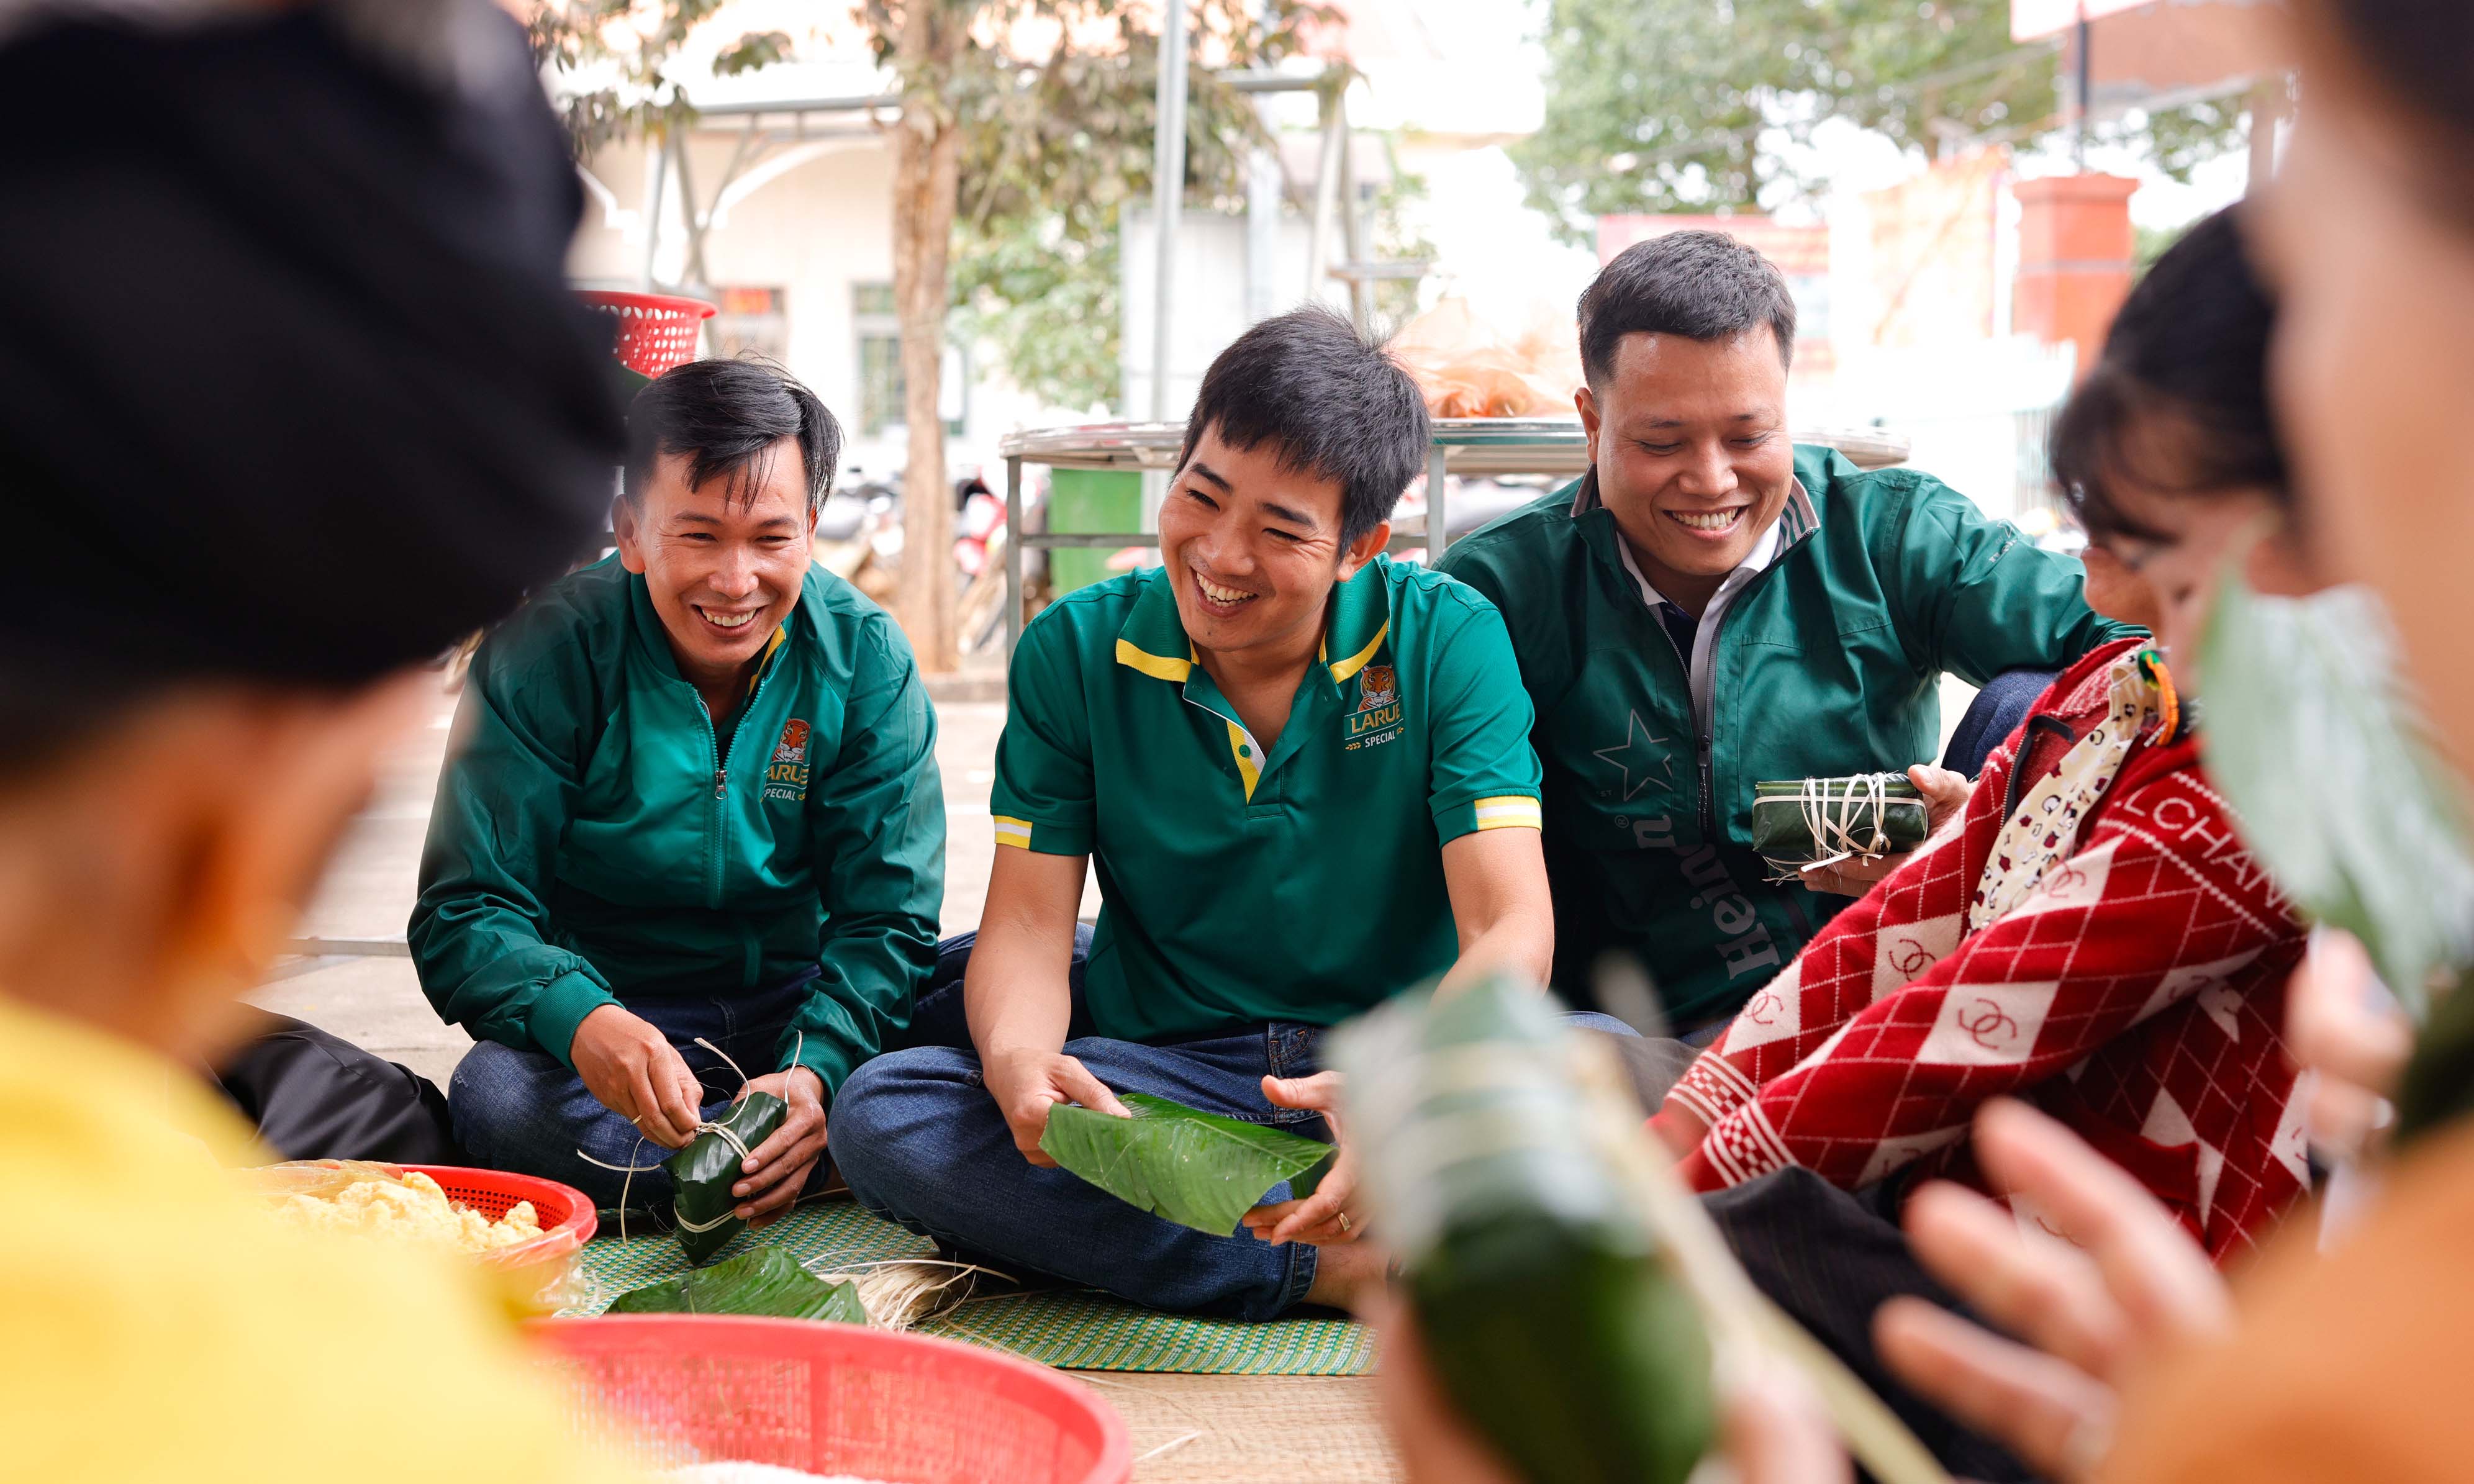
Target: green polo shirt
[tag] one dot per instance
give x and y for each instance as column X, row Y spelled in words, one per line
column 1237, row 888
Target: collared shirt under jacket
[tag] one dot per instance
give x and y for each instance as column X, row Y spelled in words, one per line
column 1826, row 663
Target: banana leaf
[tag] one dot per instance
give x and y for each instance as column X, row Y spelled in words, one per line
column 767, row 1281
column 702, row 1173
column 1181, row 1164
column 1546, row 1307
column 2314, row 735
column 1784, row 837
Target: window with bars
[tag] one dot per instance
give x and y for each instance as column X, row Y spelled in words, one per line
column 876, row 329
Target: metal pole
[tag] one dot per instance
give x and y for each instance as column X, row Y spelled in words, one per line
column 2079, row 143
column 1335, row 136
column 1439, row 526
column 1261, row 211
column 1013, row 557
column 1353, row 226
column 653, row 209
column 1262, row 232
column 1168, row 193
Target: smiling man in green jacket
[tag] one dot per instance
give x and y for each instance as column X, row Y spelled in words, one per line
column 1712, row 606
column 693, row 797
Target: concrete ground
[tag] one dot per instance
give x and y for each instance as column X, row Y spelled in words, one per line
column 1186, row 1430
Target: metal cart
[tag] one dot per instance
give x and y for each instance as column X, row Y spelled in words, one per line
column 1461, row 446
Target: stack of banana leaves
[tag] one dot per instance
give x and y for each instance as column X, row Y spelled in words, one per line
column 763, row 1281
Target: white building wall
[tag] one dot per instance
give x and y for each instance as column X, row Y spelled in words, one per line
column 816, row 223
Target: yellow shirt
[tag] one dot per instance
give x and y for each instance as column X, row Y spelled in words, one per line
column 155, row 1323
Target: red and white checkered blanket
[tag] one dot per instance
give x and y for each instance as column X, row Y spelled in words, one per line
column 2136, row 992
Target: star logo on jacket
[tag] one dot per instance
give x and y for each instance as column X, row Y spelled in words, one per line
column 1640, row 758
column 786, row 777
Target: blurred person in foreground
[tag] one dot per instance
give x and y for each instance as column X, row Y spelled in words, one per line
column 692, row 797
column 2350, row 1365
column 1713, row 605
column 292, row 396
column 2093, row 938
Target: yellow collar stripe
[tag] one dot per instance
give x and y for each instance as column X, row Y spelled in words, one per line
column 1159, row 667
column 1510, row 811
column 756, row 677
column 1248, row 757
column 1357, row 662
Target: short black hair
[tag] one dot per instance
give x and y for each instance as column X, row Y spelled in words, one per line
column 2178, row 401
column 1335, row 404
column 1703, row 285
column 727, row 415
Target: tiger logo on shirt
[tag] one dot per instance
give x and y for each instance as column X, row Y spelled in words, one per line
column 1377, row 717
column 786, row 777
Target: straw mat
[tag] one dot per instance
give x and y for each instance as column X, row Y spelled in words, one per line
column 1074, row 1328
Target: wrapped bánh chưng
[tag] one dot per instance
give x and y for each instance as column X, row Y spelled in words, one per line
column 704, row 1171
column 1544, row 1305
column 1809, row 821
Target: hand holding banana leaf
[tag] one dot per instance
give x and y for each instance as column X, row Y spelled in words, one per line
column 1197, row 1169
column 1026, row 1085
column 1324, row 1216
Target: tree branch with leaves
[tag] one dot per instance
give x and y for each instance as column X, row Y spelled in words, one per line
column 1656, row 106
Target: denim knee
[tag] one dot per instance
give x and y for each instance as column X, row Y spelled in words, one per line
column 1594, row 1020
column 875, row 1123
column 495, row 1090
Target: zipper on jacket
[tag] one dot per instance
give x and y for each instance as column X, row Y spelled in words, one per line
column 1700, row 724
column 713, row 835
column 719, row 845
column 1708, row 805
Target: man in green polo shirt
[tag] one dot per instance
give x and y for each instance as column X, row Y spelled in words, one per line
column 1712, row 606
column 1303, row 773
column 692, row 828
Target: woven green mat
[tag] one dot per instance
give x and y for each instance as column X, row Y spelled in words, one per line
column 1074, row 1328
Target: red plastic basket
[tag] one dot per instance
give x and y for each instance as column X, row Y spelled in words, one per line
column 656, row 332
column 834, row 1399
column 567, row 1219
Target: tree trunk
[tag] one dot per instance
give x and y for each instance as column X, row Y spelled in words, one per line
column 926, row 192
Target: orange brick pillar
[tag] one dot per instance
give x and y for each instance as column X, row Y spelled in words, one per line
column 2075, row 259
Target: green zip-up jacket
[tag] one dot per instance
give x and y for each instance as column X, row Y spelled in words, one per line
column 596, row 837
column 1824, row 663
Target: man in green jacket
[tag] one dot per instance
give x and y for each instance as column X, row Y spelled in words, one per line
column 693, row 799
column 1712, row 606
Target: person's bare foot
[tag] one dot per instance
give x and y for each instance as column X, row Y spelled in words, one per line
column 1344, row 1270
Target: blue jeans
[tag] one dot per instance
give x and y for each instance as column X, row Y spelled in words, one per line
column 919, row 1140
column 936, row 1018
column 526, row 1111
